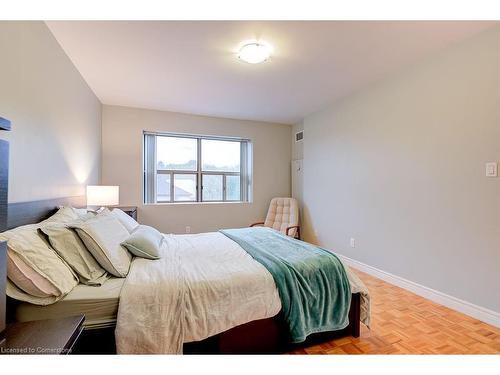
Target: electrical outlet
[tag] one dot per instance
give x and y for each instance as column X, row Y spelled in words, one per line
column 492, row 169
column 188, row 229
column 353, row 242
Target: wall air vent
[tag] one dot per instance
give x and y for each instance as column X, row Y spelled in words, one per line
column 299, row 136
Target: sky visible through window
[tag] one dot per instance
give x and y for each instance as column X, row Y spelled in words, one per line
column 181, row 154
column 176, row 153
column 220, row 155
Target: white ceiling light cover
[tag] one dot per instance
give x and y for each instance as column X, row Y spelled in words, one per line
column 255, row 52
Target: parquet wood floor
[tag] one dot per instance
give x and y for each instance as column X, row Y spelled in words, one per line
column 404, row 323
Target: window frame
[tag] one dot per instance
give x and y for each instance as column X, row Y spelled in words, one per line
column 150, row 173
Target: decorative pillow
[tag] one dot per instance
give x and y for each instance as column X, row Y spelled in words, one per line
column 144, row 242
column 102, row 236
column 126, row 220
column 34, row 267
column 70, row 247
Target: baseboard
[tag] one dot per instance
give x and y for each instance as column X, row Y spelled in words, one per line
column 467, row 308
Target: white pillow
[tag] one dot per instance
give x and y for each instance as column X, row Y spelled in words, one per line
column 67, row 213
column 103, row 236
column 63, row 215
column 68, row 245
column 34, row 267
column 126, row 220
column 81, row 212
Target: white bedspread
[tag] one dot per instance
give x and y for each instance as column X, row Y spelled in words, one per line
column 204, row 284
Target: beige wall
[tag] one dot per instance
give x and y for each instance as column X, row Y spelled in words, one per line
column 400, row 167
column 56, row 119
column 122, row 165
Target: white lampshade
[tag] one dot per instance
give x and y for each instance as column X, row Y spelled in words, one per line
column 103, row 195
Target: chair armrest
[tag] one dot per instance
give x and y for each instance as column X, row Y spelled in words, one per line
column 288, row 229
column 255, row 224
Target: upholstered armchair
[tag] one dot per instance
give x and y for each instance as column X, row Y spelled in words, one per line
column 283, row 215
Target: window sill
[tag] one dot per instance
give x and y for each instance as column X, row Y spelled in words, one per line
column 192, row 203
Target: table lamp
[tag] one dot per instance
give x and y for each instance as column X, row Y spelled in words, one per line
column 102, row 196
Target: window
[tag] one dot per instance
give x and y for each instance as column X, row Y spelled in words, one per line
column 191, row 168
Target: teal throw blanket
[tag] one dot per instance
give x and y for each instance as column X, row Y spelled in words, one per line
column 312, row 282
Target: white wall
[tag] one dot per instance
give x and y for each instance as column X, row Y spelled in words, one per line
column 400, row 166
column 56, row 119
column 122, row 165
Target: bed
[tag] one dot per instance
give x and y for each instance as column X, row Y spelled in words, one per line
column 259, row 331
column 98, row 304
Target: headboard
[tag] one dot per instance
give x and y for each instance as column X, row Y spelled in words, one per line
column 23, row 213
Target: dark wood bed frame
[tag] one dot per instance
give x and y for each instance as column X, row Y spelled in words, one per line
column 259, row 336
column 4, row 187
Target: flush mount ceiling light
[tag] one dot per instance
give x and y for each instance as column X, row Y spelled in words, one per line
column 255, row 52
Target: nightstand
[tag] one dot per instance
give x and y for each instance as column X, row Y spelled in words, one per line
column 129, row 210
column 54, row 336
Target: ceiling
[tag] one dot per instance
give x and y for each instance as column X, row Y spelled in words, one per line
column 191, row 67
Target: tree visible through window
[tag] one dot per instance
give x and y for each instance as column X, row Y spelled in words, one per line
column 185, row 168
